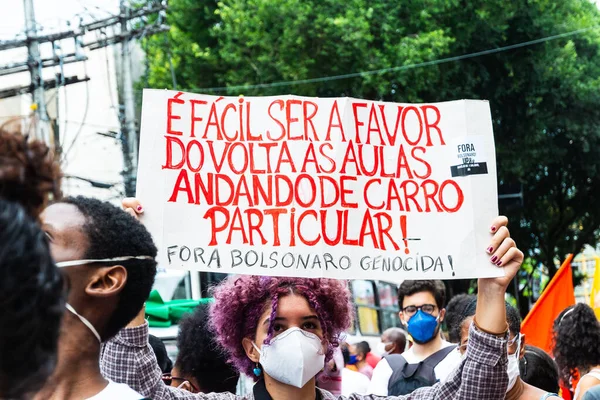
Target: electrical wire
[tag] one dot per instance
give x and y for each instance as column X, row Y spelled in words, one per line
column 108, row 80
column 398, row 68
column 85, row 113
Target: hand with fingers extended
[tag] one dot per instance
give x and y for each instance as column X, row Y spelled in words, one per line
column 503, row 252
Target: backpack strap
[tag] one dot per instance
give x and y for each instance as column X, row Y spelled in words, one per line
column 396, row 361
column 434, row 359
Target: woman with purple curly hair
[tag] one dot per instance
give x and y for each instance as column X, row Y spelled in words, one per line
column 282, row 331
column 257, row 309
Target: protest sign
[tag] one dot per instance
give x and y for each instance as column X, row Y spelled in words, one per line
column 318, row 187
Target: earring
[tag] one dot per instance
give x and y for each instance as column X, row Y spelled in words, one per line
column 257, row 371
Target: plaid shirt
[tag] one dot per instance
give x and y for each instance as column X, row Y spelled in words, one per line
column 128, row 358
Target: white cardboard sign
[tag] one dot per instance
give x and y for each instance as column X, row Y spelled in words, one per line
column 318, row 187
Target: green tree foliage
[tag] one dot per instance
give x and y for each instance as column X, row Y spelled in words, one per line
column 545, row 97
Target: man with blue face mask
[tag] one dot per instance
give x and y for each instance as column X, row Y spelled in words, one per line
column 422, row 312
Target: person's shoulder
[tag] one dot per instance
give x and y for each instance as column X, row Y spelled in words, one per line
column 587, row 383
column 383, row 364
column 592, row 394
column 353, row 375
column 531, row 392
column 119, row 391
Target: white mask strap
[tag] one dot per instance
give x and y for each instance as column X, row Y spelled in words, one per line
column 64, row 264
column 85, row 322
column 256, row 348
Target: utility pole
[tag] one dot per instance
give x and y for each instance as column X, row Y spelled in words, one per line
column 35, row 71
column 127, row 110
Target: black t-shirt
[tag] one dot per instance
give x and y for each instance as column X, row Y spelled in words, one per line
column 260, row 392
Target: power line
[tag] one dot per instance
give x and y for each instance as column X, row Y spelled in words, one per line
column 398, row 68
column 85, row 113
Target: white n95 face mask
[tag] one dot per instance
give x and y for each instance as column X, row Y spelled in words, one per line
column 381, row 348
column 293, row 357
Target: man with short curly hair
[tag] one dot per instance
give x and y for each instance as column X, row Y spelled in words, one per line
column 108, row 262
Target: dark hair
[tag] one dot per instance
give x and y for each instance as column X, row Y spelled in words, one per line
column 112, row 232
column 512, row 317
column 436, row 288
column 201, row 357
column 345, row 354
column 538, row 369
column 576, row 339
column 29, row 172
column 160, row 351
column 454, row 311
column 32, row 298
column 363, row 348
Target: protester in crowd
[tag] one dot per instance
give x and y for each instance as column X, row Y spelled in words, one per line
column 160, row 351
column 283, row 330
column 393, row 341
column 108, row 262
column 539, row 370
column 422, row 311
column 358, row 359
column 454, row 314
column 352, row 381
column 29, row 172
column 32, row 298
column 576, row 339
column 331, row 377
column 200, row 360
column 517, row 389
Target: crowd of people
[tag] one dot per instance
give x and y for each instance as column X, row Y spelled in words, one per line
column 75, row 273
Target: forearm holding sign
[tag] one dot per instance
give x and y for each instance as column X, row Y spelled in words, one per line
column 491, row 313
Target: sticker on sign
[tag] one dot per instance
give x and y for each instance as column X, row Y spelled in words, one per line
column 318, row 187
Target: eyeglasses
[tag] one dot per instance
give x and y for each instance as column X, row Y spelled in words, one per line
column 168, row 379
column 426, row 308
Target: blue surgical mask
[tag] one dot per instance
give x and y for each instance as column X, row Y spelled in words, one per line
column 353, row 360
column 422, row 327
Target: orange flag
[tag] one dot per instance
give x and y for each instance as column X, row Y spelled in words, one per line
column 558, row 295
